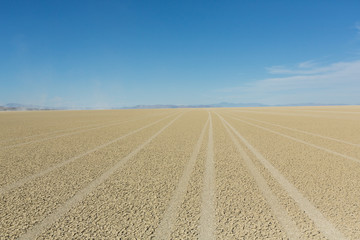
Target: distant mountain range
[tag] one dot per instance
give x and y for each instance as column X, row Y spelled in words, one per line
column 217, row 105
column 229, row 105
column 23, row 107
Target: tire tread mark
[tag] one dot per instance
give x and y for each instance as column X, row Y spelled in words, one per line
column 320, row 221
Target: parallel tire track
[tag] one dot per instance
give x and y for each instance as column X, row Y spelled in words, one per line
column 278, row 210
column 305, row 132
column 325, row 111
column 37, row 229
column 207, row 217
column 301, row 141
column 320, row 221
column 61, row 135
column 23, row 181
column 62, row 130
column 66, row 134
column 47, row 133
column 167, row 223
column 294, row 114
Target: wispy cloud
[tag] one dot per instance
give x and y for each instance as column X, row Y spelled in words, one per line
column 308, row 64
column 357, row 27
column 307, row 82
column 308, row 67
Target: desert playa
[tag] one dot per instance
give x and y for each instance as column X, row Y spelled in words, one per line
column 225, row 173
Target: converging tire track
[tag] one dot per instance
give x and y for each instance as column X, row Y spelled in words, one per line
column 294, row 114
column 23, row 181
column 67, row 134
column 278, row 210
column 40, row 197
column 325, row 226
column 320, row 111
column 48, row 133
column 302, row 131
column 70, row 130
column 167, row 224
column 37, row 229
column 207, row 218
column 301, row 141
column 198, row 174
column 27, row 160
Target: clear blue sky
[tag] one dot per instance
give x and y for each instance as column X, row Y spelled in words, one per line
column 122, row 53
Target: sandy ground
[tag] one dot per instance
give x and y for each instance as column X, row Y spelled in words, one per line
column 235, row 173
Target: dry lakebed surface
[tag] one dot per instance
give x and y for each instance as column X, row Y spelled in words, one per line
column 225, row 173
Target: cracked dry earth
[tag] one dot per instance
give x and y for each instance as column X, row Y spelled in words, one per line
column 230, row 173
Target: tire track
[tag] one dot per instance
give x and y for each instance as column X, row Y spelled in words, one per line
column 207, row 216
column 325, row 111
column 305, row 132
column 62, row 130
column 37, row 229
column 278, row 210
column 23, row 181
column 167, row 223
column 47, row 133
column 294, row 114
column 301, row 141
column 67, row 134
column 320, row 221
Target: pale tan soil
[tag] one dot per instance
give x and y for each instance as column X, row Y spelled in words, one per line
column 294, row 112
column 190, row 208
column 346, row 132
column 352, row 151
column 25, row 124
column 41, row 155
column 242, row 211
column 123, row 190
column 145, row 182
column 326, row 180
column 44, row 194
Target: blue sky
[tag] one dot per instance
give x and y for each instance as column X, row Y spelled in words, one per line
column 105, row 54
